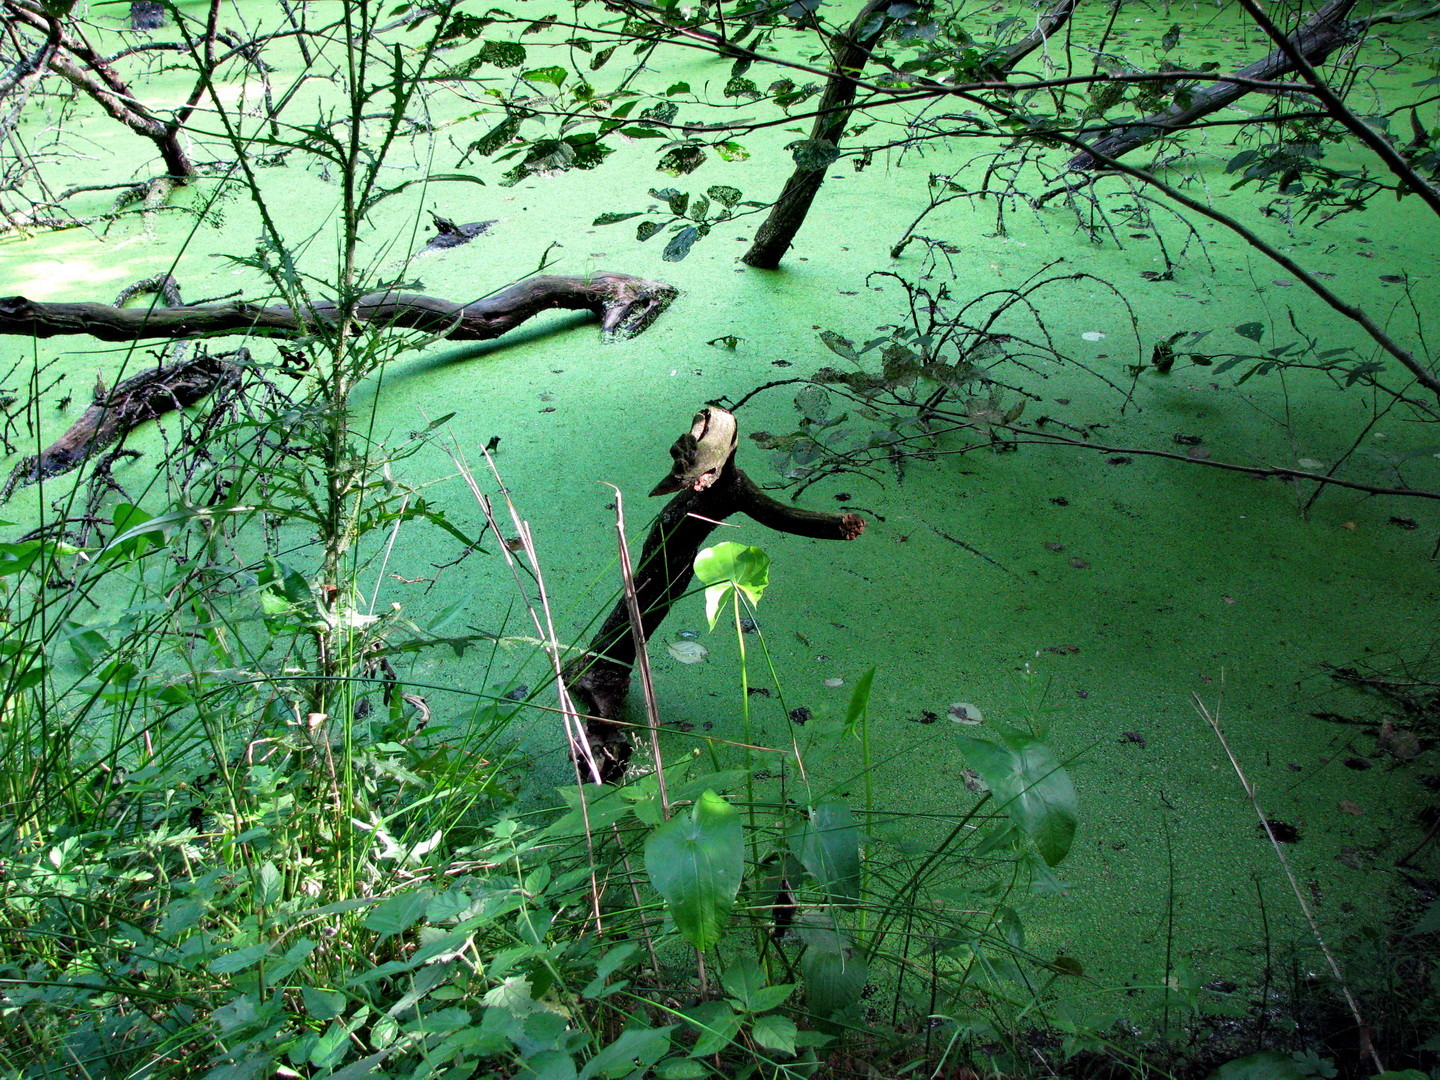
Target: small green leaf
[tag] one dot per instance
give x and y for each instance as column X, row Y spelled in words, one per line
column 612, row 218
column 776, row 1033
column 859, row 700
column 554, row 74
column 1252, row 330
column 648, row 229
column 729, row 566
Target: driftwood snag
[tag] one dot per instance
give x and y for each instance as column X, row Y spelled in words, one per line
column 711, row 488
column 625, row 305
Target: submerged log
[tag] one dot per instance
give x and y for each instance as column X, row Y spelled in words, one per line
column 625, row 305
column 711, row 488
column 116, row 412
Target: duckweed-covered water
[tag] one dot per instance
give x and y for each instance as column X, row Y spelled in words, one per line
column 1098, row 593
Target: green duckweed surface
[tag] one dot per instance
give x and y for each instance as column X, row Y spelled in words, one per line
column 1100, row 595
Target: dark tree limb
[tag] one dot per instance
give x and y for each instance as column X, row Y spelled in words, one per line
column 850, row 53
column 625, row 305
column 84, row 68
column 1321, row 34
column 709, row 493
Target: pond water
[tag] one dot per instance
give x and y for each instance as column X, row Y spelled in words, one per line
column 1101, row 593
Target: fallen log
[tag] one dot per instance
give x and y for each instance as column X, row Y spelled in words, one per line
column 625, row 305
column 711, row 488
column 1317, row 38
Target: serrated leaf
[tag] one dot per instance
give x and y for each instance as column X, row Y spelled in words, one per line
column 397, row 914
column 776, row 1033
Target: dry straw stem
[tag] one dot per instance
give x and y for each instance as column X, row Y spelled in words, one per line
column 1367, row 1046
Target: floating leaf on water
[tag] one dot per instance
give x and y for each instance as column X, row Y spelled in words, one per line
column 688, row 652
column 1310, row 463
column 832, row 683
column 1079, row 563
column 1093, row 335
column 962, row 712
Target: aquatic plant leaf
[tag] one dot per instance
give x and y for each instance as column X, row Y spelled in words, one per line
column 834, row 974
column 688, row 652
column 731, row 566
column 828, row 846
column 859, row 700
column 1026, row 778
column 696, row 861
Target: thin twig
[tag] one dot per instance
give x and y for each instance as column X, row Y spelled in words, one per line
column 1366, row 1043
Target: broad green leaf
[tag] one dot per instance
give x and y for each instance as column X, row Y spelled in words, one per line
column 776, row 1033
column 638, row 1048
column 828, row 846
column 647, row 229
column 834, row 973
column 729, row 566
column 397, row 914
column 696, row 861
column 1028, row 781
column 1252, row 330
column 238, row 960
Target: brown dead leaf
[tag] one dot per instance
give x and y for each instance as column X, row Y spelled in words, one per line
column 1079, row 563
column 1350, row 807
column 1349, row 525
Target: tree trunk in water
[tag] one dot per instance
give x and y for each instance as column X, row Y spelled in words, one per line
column 601, row 678
column 851, row 51
column 1322, row 34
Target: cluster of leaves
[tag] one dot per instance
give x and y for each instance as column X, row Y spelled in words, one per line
column 688, row 221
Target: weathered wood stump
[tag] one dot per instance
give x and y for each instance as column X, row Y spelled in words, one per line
column 711, row 488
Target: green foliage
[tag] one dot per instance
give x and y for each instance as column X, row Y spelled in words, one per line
column 1027, row 779
column 729, row 568
column 696, row 862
